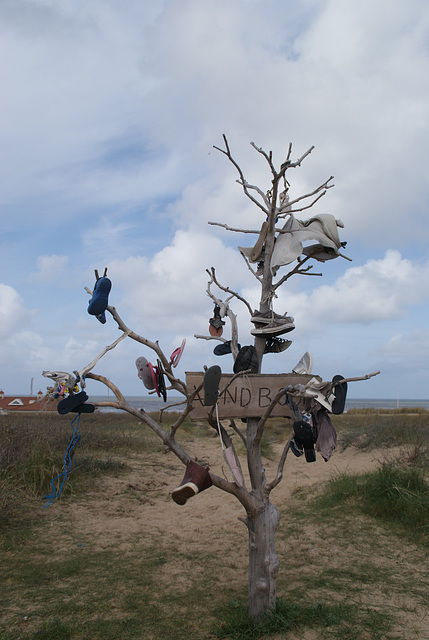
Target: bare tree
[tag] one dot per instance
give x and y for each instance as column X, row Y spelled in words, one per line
column 276, row 246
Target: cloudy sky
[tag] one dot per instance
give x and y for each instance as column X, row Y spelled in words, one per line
column 109, row 114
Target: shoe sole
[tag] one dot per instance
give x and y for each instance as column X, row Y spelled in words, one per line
column 182, row 494
column 100, row 298
column 211, row 385
column 84, row 408
column 263, row 321
column 279, row 348
column 272, row 331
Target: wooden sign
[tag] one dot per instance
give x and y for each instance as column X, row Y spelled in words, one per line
column 247, row 396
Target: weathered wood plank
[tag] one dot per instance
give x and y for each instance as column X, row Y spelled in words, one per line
column 247, row 397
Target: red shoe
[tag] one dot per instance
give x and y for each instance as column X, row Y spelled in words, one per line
column 195, row 480
column 177, row 354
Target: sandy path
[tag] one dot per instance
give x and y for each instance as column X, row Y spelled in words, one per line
column 139, row 502
column 136, row 507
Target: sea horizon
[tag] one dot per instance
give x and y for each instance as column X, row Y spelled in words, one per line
column 151, row 404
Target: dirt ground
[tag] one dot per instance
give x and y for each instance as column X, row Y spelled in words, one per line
column 117, row 513
column 138, row 505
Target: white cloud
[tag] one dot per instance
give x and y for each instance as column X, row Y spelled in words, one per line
column 411, row 348
column 50, row 269
column 109, row 117
column 168, row 292
column 378, row 290
column 13, row 313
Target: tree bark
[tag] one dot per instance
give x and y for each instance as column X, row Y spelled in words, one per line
column 263, row 562
column 262, row 523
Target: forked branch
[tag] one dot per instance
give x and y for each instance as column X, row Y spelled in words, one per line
column 246, row 187
column 212, row 274
column 280, row 467
column 323, row 186
column 298, row 269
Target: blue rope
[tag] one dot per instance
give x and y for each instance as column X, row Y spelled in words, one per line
column 62, row 477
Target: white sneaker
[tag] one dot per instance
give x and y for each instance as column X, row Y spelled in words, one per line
column 305, row 365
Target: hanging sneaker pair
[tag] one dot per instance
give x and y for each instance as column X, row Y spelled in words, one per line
column 271, row 324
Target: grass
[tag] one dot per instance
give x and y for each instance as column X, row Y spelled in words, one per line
column 32, row 450
column 369, row 428
column 342, row 620
column 396, row 496
column 353, row 552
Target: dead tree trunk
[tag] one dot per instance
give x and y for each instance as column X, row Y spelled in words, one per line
column 263, row 562
column 262, row 524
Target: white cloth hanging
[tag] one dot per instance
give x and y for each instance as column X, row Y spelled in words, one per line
column 288, row 246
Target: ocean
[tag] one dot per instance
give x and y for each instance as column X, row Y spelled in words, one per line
column 152, row 404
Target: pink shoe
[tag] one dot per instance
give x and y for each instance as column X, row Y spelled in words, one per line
column 234, row 465
column 195, row 480
column 177, row 354
column 154, row 374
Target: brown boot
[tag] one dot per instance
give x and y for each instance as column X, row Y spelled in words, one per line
column 195, row 480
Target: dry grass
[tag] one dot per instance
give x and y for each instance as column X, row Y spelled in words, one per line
column 114, row 558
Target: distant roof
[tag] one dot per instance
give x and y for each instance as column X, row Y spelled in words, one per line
column 27, row 403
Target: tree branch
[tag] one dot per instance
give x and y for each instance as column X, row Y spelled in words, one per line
column 91, row 365
column 112, row 387
column 249, row 266
column 297, row 269
column 325, row 185
column 258, row 190
column 212, row 274
column 291, row 212
column 280, row 468
column 243, row 182
column 175, row 383
column 268, row 411
column 297, row 163
column 268, row 157
column 241, row 493
column 365, row 377
column 186, row 412
column 237, row 430
column 142, row 415
column 225, row 226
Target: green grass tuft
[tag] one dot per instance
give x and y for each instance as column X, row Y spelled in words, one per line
column 397, row 496
column 335, row 620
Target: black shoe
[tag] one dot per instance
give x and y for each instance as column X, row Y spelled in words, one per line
column 305, row 434
column 71, row 402
column 224, row 348
column 296, row 447
column 247, row 358
column 211, row 385
column 276, row 345
column 340, row 393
